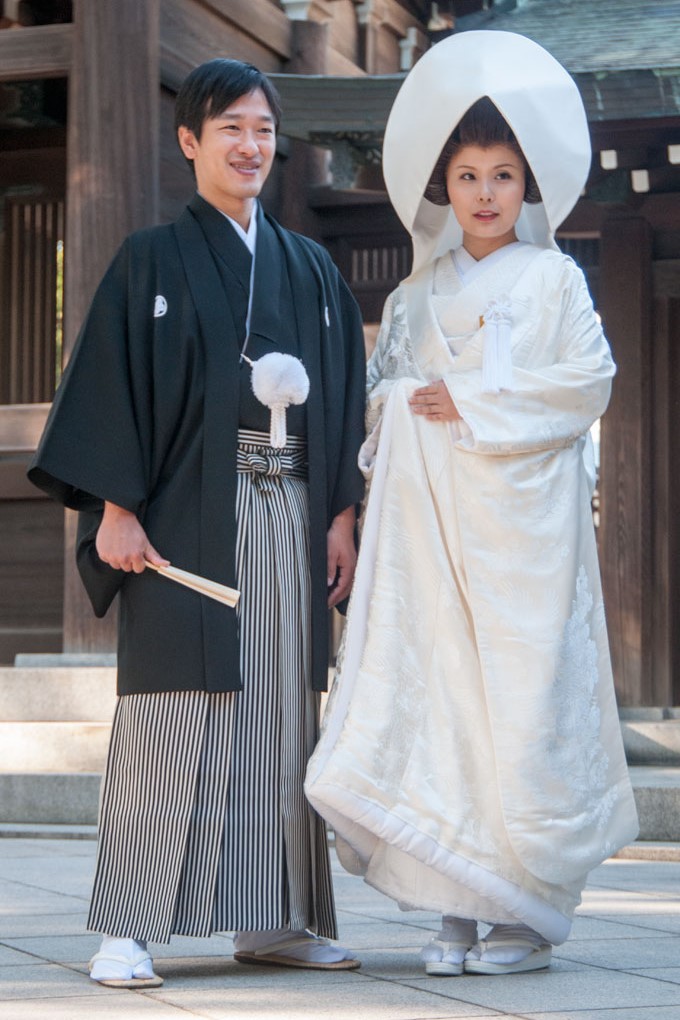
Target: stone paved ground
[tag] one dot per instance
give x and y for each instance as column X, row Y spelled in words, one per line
column 621, row 963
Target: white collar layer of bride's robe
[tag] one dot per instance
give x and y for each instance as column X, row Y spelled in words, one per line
column 421, row 303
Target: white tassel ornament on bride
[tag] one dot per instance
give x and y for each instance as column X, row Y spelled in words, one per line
column 278, row 380
column 496, row 355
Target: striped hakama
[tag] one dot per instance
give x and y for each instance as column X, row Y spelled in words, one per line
column 204, row 825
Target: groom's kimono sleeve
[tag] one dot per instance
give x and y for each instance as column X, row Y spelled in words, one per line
column 122, row 415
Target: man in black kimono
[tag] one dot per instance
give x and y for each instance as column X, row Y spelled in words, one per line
column 155, row 435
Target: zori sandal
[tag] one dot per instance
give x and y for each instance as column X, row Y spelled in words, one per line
column 444, row 959
column 123, row 963
column 509, row 949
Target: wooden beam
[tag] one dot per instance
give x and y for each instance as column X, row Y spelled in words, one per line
column 305, row 163
column 112, row 145
column 661, row 211
column 193, row 32
column 381, row 30
column 626, row 496
column 665, row 419
column 41, row 52
column 112, row 190
column 259, row 19
column 43, row 167
column 22, row 140
column 339, row 64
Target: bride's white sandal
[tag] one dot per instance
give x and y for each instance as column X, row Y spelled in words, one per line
column 444, row 955
column 509, row 949
column 444, row 959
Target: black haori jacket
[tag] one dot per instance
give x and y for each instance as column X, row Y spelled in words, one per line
column 146, row 417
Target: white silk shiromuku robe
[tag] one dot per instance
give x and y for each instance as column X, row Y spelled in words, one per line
column 471, row 760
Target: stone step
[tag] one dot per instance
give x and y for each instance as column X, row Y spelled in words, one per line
column 57, row 693
column 657, row 796
column 53, row 746
column 50, row 798
column 651, row 742
column 56, row 830
column 72, row 798
column 640, row 850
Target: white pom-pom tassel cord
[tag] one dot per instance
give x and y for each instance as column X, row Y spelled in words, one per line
column 279, row 380
column 497, row 354
column 278, row 435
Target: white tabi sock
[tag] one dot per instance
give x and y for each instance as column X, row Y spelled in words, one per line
column 452, row 942
column 121, row 959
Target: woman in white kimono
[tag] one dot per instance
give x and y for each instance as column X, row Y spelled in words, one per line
column 471, row 760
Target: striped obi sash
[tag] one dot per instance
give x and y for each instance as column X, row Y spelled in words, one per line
column 265, row 464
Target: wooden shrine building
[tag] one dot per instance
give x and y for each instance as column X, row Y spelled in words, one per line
column 87, row 154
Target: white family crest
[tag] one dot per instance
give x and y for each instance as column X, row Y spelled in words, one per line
column 160, row 306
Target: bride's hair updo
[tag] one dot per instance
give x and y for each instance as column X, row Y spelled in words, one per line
column 483, row 126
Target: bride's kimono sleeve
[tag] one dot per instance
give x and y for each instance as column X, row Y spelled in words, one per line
column 562, row 368
column 392, row 359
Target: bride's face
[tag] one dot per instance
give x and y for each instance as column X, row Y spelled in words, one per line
column 486, row 191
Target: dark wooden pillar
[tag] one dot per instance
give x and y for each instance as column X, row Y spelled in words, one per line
column 306, row 165
column 665, row 416
column 626, row 529
column 112, row 189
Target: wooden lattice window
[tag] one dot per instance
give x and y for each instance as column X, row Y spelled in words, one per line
column 32, row 287
column 379, row 265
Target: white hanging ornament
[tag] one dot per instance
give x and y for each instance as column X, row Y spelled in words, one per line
column 497, row 356
column 278, row 380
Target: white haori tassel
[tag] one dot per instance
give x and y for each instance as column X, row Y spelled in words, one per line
column 278, row 380
column 496, row 356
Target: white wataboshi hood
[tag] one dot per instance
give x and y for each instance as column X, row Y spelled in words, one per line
column 538, row 99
